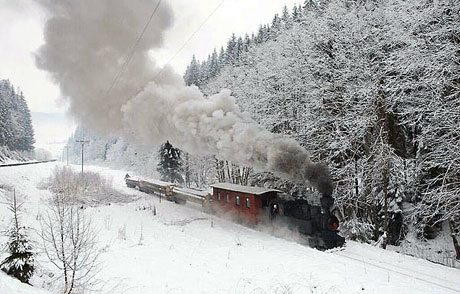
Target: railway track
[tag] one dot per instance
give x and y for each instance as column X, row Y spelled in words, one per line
column 452, row 287
column 26, row 163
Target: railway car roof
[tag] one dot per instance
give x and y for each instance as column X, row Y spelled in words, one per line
column 244, row 189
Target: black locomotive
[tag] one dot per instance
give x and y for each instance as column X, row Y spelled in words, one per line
column 315, row 221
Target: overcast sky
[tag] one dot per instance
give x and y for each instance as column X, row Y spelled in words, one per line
column 22, row 21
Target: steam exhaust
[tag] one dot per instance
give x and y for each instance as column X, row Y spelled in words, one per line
column 86, row 43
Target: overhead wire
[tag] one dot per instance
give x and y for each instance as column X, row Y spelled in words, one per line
column 130, row 54
column 191, row 36
column 133, row 48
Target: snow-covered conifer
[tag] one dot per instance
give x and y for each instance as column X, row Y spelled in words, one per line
column 20, row 261
column 170, row 163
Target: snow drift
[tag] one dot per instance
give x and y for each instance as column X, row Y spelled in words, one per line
column 86, row 44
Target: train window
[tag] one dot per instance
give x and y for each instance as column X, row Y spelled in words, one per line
column 218, row 196
column 248, row 202
column 227, row 198
column 237, row 200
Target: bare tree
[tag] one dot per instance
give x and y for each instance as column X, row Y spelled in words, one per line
column 69, row 241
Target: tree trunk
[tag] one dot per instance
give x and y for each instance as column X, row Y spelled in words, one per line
column 228, row 170
column 187, row 170
column 220, row 170
column 385, row 196
column 356, row 180
column 454, row 239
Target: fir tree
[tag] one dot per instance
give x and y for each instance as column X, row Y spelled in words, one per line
column 286, row 17
column 170, row 163
column 192, row 74
column 247, row 43
column 230, row 52
column 295, row 13
column 20, row 262
column 214, row 64
column 26, row 139
column 16, row 130
column 221, row 59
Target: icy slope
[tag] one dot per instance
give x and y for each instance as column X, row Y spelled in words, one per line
column 184, row 250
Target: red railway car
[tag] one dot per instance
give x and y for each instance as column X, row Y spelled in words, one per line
column 245, row 203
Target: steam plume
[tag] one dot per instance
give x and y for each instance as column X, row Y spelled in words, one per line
column 85, row 45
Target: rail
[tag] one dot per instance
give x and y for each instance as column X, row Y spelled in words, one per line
column 26, row 163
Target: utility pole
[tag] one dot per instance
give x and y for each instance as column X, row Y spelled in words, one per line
column 67, row 147
column 82, row 148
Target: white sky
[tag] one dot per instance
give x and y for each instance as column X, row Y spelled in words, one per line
column 21, row 24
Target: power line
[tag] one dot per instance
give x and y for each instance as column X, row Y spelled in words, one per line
column 131, row 52
column 191, row 36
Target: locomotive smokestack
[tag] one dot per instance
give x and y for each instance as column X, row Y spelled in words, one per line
column 86, row 45
column 318, row 175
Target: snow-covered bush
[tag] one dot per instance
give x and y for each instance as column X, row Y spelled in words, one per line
column 356, row 229
column 89, row 187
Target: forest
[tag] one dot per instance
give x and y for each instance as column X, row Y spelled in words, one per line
column 371, row 88
column 16, row 131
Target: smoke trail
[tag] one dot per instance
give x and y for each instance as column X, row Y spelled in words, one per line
column 86, row 42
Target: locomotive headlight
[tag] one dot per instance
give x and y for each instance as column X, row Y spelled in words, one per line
column 335, row 225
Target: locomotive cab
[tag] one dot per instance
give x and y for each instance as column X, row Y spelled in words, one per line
column 311, row 220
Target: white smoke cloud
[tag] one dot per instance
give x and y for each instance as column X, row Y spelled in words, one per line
column 86, row 43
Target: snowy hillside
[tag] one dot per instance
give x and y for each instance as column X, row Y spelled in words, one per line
column 182, row 249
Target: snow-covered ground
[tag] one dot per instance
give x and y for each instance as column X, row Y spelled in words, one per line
column 182, row 249
column 9, row 285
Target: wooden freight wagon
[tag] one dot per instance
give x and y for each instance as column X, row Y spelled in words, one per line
column 245, row 203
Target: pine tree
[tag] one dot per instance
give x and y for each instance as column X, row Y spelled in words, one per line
column 295, row 13
column 26, row 139
column 6, row 108
column 5, row 127
column 170, row 163
column 310, row 5
column 230, row 56
column 221, row 59
column 286, row 17
column 239, row 48
column 275, row 27
column 246, row 43
column 20, row 262
column 192, row 74
column 214, row 64
column 205, row 70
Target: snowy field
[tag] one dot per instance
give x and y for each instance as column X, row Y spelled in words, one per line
column 184, row 250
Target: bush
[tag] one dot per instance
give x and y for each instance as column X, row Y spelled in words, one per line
column 83, row 188
column 357, row 229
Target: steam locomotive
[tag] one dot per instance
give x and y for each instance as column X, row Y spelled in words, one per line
column 316, row 222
